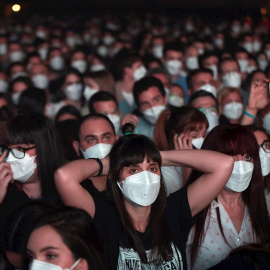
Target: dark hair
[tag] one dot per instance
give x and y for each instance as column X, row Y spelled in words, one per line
column 173, row 46
column 194, row 72
column 23, row 79
column 35, row 128
column 185, row 118
column 236, row 140
column 202, row 93
column 144, row 84
column 130, row 150
column 206, row 55
column 100, row 96
column 77, row 231
column 68, row 109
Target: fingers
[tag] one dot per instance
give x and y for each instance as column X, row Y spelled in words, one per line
column 182, row 142
column 2, row 157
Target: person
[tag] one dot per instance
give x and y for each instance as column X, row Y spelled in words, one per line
column 63, row 239
column 30, row 153
column 232, row 219
column 66, row 113
column 184, row 128
column 141, row 228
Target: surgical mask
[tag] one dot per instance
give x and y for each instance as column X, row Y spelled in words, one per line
column 173, row 66
column 115, row 119
column 243, row 63
column 201, row 51
column 248, row 46
column 3, row 86
column 43, row 53
column 214, row 70
column 241, row 176
column 89, row 92
column 108, row 40
column 128, row 97
column 266, row 122
column 80, row 65
column 233, row 110
column 212, row 119
column 74, row 91
column 265, row 162
column 139, row 73
column 267, row 52
column 41, row 34
column 236, row 29
column 3, row 49
column 210, row 89
column 219, row 42
column 232, row 79
column 40, row 265
column 192, row 63
column 16, row 97
column 176, row 101
column 152, row 114
column 97, row 67
column 22, row 169
column 99, row 150
column 40, row 81
column 102, row 51
column 158, row 51
column 18, row 74
column 256, row 46
column 189, row 27
column 87, row 38
column 141, row 188
column 16, row 56
column 57, row 63
column 198, row 142
column 262, row 63
column 250, row 69
column 71, row 41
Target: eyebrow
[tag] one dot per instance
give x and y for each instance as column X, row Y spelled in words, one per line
column 44, row 249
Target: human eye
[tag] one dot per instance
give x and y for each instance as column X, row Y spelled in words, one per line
column 107, row 138
column 51, row 256
column 248, row 158
column 153, row 169
column 133, row 170
column 193, row 134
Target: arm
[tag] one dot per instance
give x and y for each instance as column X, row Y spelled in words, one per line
column 68, row 179
column 258, row 98
column 216, row 167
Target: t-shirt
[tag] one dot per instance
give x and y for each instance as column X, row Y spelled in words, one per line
column 178, row 217
column 89, row 186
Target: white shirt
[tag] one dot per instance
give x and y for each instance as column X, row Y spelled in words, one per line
column 214, row 248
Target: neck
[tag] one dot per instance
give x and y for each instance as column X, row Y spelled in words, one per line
column 33, row 189
column 234, row 121
column 139, row 215
column 99, row 182
column 126, row 85
column 230, row 198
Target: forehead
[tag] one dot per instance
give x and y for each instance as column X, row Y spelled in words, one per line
column 211, row 60
column 258, row 76
column 260, row 136
column 149, row 94
column 95, row 127
column 204, row 102
column 229, row 65
column 164, row 79
column 72, row 77
column 173, row 54
column 104, row 106
column 232, row 95
column 202, row 76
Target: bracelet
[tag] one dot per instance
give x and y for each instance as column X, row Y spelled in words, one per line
column 100, row 166
column 250, row 115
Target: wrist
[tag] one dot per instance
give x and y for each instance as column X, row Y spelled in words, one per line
column 251, row 110
column 250, row 113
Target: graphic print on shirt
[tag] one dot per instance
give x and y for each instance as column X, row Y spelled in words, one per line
column 129, row 260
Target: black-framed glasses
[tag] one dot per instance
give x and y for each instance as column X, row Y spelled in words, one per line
column 17, row 152
column 266, row 146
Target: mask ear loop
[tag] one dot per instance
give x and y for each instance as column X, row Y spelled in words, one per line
column 75, row 264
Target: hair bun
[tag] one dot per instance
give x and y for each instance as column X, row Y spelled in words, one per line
column 128, row 128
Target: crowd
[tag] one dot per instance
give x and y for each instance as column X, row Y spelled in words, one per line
column 134, row 142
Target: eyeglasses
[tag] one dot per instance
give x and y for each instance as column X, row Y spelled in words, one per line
column 266, row 146
column 17, row 152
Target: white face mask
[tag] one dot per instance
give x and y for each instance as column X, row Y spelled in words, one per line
column 212, row 119
column 215, row 71
column 265, row 162
column 99, row 150
column 139, row 73
column 89, row 92
column 80, row 65
column 210, row 89
column 71, row 41
column 241, row 176
column 3, row 86
column 115, row 119
column 266, row 122
column 16, row 97
column 141, row 188
column 16, row 56
column 173, row 66
column 158, row 51
column 236, row 29
column 74, row 91
column 22, row 169
column 262, row 63
column 40, row 81
column 233, row 110
column 108, row 40
column 256, row 46
column 3, row 49
column 176, row 101
column 57, row 63
column 152, row 114
column 243, row 63
column 102, row 51
column 232, row 79
column 19, row 74
column 97, row 67
column 267, row 52
column 248, row 46
column 41, row 34
column 43, row 53
column 198, row 142
column 192, row 63
column 219, row 42
column 250, row 69
column 40, row 265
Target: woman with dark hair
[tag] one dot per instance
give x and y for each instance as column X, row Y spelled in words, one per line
column 232, row 219
column 64, row 239
column 141, row 228
column 30, row 153
column 184, row 128
column 68, row 112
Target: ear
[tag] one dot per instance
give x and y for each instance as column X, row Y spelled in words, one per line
column 83, row 265
column 116, row 137
column 166, row 100
column 189, row 92
column 76, row 146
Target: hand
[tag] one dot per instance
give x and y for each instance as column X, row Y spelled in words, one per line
column 6, row 176
column 182, row 142
column 259, row 94
column 130, row 118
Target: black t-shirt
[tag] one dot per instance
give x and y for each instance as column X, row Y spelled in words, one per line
column 89, row 186
column 179, row 220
